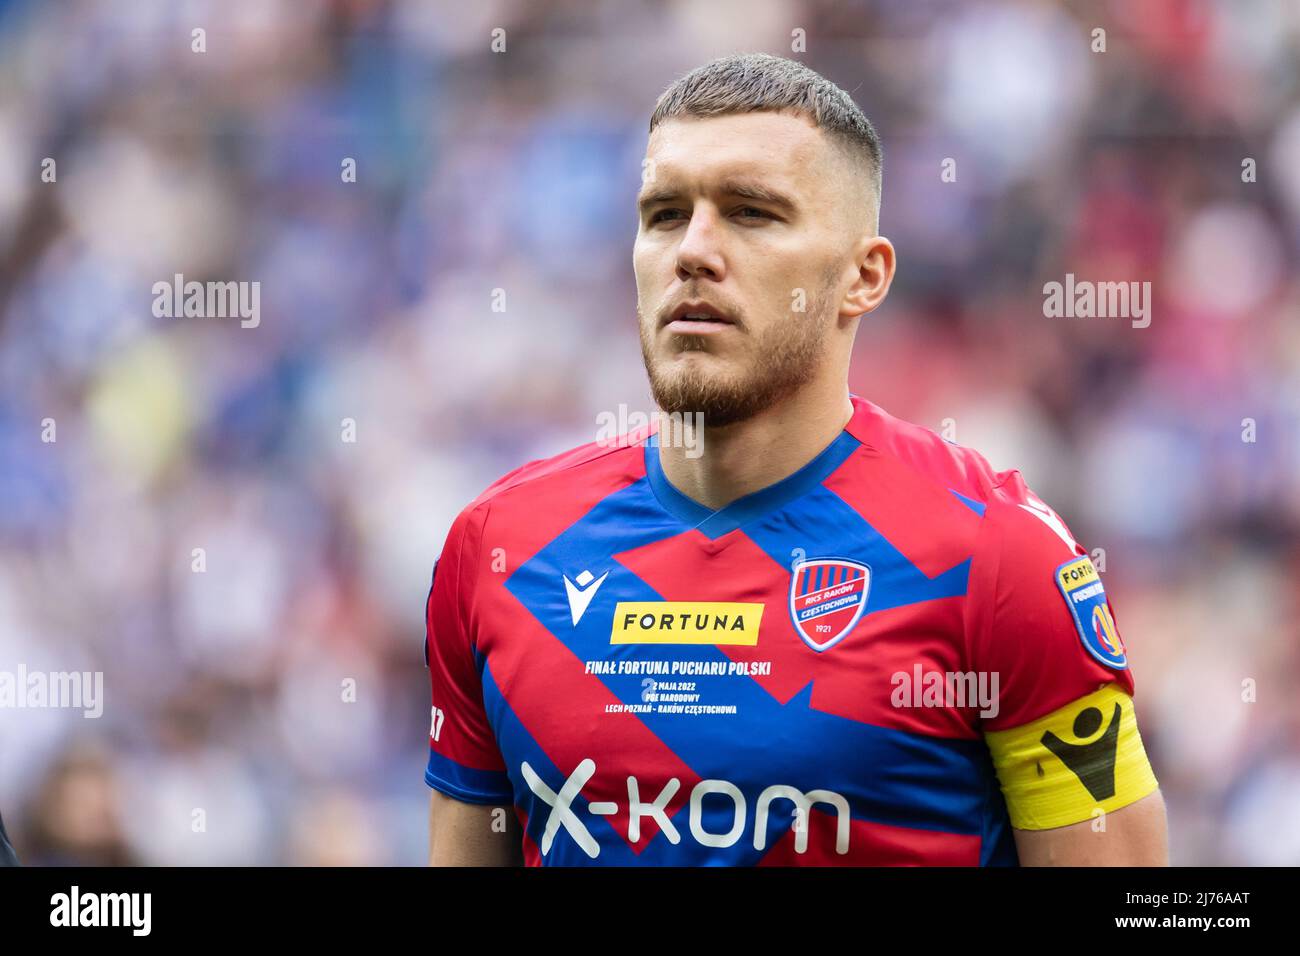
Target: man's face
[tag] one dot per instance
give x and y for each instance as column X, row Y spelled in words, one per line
column 738, row 222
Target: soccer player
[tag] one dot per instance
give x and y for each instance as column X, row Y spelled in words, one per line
column 803, row 632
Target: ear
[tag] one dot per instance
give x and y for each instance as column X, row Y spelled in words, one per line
column 874, row 256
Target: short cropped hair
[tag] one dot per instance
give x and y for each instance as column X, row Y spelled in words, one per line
column 758, row 82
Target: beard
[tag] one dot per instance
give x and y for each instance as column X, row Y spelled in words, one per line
column 783, row 359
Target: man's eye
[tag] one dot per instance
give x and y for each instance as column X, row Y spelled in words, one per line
column 752, row 212
column 664, row 214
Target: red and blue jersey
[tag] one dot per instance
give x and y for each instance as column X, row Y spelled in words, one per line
column 890, row 656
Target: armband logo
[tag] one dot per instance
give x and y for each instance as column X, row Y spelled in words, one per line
column 1091, row 760
column 1081, row 587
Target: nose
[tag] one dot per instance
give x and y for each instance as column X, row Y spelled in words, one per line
column 700, row 254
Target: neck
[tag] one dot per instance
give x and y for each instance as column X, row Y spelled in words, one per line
column 738, row 459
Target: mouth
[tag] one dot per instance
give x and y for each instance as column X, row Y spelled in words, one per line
column 698, row 318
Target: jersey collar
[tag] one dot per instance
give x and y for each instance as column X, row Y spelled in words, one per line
column 714, row 524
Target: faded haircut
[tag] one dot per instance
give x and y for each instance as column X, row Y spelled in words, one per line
column 760, row 82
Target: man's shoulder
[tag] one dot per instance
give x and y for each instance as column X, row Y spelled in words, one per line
column 1029, row 540
column 571, row 474
column 925, row 455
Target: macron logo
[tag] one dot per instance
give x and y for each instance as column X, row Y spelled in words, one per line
column 1049, row 517
column 580, row 594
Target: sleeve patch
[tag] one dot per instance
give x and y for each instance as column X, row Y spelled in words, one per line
column 1084, row 595
column 1063, row 768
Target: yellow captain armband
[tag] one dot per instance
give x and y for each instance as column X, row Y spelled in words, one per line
column 1062, row 768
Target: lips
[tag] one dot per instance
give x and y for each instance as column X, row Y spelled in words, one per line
column 698, row 316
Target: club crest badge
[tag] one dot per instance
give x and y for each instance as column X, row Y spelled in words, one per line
column 827, row 596
column 1081, row 587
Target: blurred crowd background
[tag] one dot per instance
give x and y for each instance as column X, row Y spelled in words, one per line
column 479, row 170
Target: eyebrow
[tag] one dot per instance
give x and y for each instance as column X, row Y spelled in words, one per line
column 740, row 188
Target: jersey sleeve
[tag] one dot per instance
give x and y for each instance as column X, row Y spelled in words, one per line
column 464, row 760
column 1064, row 737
